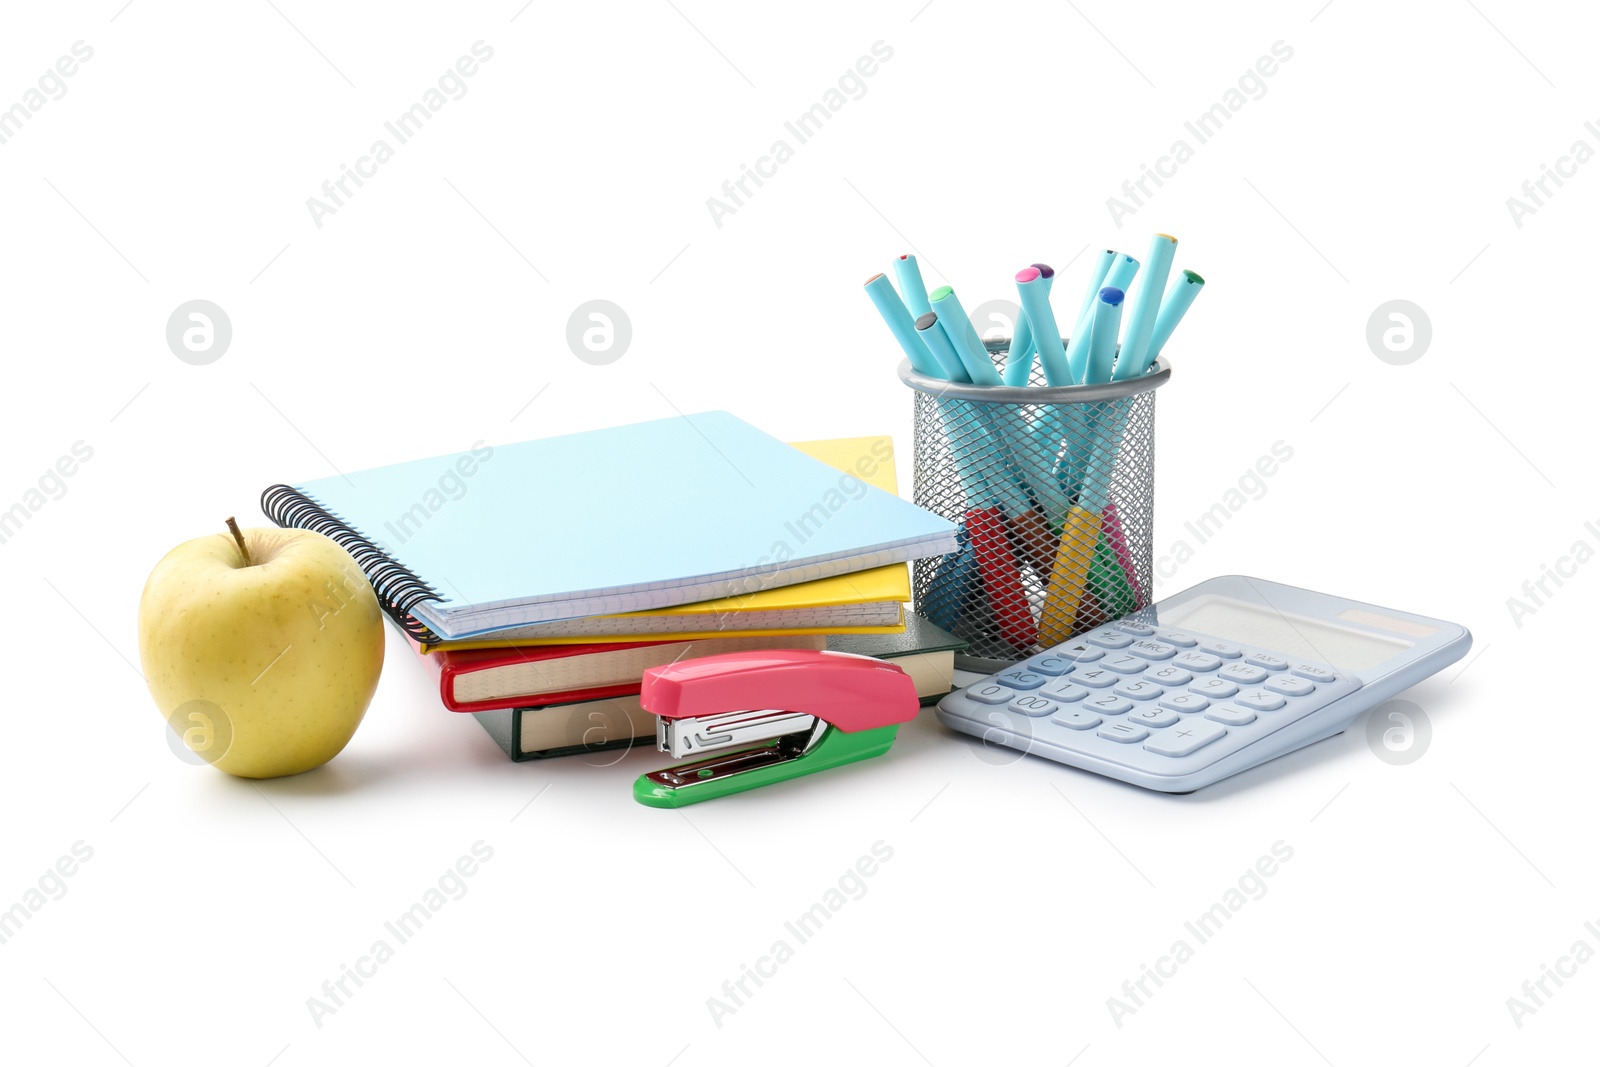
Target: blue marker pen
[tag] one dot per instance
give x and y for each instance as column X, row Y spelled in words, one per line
column 1019, row 357
column 905, row 331
column 1180, row 294
column 915, row 294
column 1031, row 290
column 1103, row 336
column 1097, row 281
column 950, row 599
column 1146, row 304
column 1118, row 277
column 934, row 341
column 980, row 450
column 968, row 345
column 1121, row 274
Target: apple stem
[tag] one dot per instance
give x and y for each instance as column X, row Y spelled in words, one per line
column 238, row 537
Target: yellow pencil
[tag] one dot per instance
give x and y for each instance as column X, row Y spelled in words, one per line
column 1069, row 576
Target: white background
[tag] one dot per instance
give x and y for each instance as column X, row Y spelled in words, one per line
column 430, row 311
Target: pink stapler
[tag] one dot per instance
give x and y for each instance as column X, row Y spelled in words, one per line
column 789, row 712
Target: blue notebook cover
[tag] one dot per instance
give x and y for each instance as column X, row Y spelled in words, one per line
column 622, row 519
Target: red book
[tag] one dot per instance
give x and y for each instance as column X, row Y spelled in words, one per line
column 535, row 675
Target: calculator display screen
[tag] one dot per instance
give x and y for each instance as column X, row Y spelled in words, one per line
column 1288, row 635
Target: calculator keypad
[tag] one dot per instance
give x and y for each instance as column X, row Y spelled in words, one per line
column 1156, row 700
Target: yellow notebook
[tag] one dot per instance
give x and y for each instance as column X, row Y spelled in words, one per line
column 866, row 602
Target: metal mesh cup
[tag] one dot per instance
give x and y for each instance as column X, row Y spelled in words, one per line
column 1052, row 488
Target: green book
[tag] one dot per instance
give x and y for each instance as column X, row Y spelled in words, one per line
column 570, row 729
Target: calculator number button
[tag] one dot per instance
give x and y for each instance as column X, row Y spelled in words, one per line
column 1032, row 705
column 1259, row 700
column 1125, row 732
column 1108, row 704
column 1290, row 686
column 1138, row 690
column 1063, row 691
column 1192, row 736
column 1168, row 675
column 1123, row 663
column 990, row 693
column 1185, row 702
column 1156, row 717
column 1094, row 677
column 1215, row 688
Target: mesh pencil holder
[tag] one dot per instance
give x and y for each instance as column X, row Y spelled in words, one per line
column 1052, row 489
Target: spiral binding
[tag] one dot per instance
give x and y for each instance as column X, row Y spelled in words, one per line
column 398, row 589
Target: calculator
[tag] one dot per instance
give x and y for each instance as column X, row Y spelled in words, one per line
column 1207, row 683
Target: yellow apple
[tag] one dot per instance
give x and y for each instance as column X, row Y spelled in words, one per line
column 262, row 648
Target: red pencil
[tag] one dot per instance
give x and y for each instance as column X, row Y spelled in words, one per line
column 986, row 528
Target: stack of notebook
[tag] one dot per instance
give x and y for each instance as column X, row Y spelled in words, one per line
column 541, row 579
